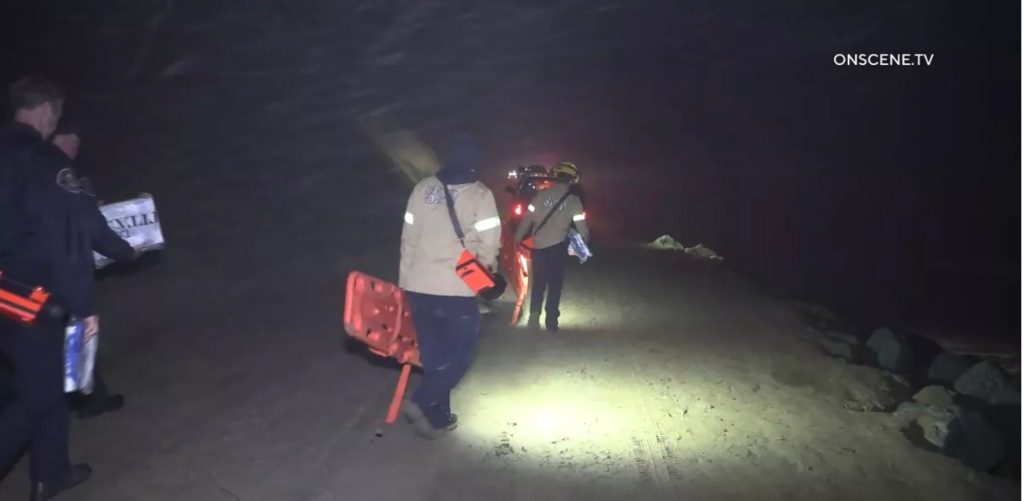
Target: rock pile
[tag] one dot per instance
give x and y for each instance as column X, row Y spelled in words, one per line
column 987, row 382
column 967, row 408
column 951, row 429
column 903, row 354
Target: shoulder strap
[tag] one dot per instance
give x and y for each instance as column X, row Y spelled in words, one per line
column 451, row 213
column 554, row 209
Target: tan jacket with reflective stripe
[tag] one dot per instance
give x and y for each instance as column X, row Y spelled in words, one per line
column 568, row 215
column 430, row 247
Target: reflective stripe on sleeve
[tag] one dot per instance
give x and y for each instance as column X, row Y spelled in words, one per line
column 487, row 224
column 408, row 218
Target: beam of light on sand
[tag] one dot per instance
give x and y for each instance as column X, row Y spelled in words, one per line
column 545, row 413
column 583, row 415
column 578, row 316
column 564, row 412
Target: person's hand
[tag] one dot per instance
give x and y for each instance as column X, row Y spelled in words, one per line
column 92, row 326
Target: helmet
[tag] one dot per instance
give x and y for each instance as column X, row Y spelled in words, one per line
column 566, row 171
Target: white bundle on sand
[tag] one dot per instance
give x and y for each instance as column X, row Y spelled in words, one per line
column 699, row 251
column 666, row 242
column 137, row 222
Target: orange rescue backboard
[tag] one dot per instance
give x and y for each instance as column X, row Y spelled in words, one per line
column 377, row 314
column 516, row 263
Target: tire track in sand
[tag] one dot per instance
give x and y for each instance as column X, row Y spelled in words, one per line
column 653, row 454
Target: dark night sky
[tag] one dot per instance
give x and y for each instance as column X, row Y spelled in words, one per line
column 731, row 115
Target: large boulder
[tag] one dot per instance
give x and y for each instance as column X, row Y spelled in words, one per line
column 1006, row 419
column 891, row 350
column 985, row 381
column 975, row 442
column 904, row 354
column 935, row 396
column 955, row 432
column 924, row 350
column 947, row 368
column 925, row 425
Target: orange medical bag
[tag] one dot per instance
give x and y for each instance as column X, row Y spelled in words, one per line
column 474, row 273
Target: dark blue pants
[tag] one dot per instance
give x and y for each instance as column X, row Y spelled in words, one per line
column 38, row 416
column 549, row 265
column 448, row 330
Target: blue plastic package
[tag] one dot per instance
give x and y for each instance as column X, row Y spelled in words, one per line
column 79, row 357
column 578, row 247
column 74, row 336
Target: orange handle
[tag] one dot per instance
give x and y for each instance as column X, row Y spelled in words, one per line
column 396, row 399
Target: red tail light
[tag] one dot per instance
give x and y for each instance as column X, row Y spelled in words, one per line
column 519, row 210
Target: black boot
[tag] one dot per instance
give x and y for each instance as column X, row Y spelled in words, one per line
column 47, row 490
column 420, row 424
column 533, row 323
column 94, row 406
column 551, row 321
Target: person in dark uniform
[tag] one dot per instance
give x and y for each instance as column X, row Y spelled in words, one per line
column 100, row 238
column 40, row 208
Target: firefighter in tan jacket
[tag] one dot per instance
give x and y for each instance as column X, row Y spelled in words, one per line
column 444, row 309
column 554, row 212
